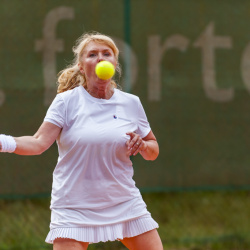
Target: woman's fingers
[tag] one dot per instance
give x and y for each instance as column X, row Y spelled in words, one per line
column 135, row 143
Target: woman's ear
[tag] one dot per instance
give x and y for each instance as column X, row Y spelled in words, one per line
column 81, row 68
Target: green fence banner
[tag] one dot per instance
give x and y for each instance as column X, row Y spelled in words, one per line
column 188, row 61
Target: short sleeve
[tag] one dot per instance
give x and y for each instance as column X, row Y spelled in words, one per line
column 56, row 112
column 143, row 124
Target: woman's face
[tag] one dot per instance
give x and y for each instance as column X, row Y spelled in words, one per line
column 94, row 53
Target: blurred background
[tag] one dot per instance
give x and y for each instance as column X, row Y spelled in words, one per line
column 188, row 61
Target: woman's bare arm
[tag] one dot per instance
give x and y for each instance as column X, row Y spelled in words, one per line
column 39, row 142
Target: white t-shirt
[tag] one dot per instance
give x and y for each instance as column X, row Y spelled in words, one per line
column 94, row 169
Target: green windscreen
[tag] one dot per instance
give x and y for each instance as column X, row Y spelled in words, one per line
column 188, row 61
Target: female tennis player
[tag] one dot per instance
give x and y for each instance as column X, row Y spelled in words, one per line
column 97, row 128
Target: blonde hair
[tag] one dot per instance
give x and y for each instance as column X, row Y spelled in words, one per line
column 71, row 77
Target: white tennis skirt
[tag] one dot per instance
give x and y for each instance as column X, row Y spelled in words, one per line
column 124, row 220
column 95, row 234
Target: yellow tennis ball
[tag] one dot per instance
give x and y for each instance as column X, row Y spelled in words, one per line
column 104, row 70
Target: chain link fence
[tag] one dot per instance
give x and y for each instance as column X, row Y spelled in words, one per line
column 188, row 61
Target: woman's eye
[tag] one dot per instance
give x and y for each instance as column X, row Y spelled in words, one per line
column 107, row 54
column 92, row 55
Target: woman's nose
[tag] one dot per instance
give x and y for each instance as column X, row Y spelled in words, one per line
column 100, row 58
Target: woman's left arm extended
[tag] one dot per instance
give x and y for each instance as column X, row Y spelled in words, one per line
column 147, row 146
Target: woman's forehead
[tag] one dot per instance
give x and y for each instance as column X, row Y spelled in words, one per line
column 93, row 45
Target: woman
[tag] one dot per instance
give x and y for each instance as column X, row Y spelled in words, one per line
column 97, row 128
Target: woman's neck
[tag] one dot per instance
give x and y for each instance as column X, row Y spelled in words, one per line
column 101, row 93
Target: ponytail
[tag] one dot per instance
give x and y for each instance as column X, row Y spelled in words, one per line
column 70, row 78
